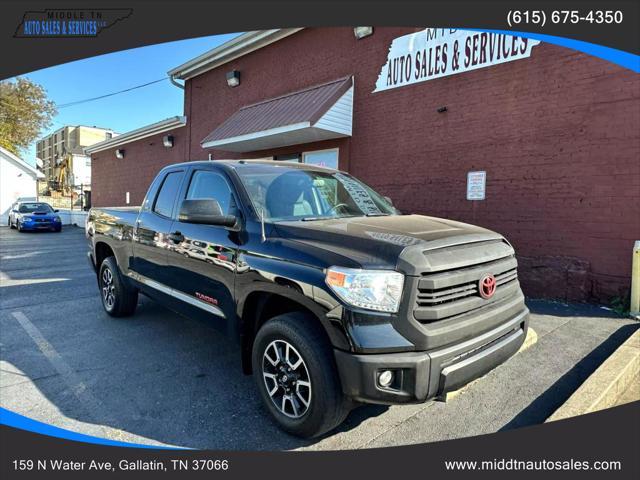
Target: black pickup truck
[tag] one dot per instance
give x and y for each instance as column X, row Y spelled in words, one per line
column 335, row 297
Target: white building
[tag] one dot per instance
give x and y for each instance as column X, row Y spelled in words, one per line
column 81, row 170
column 17, row 181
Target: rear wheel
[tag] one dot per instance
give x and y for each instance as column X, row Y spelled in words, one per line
column 295, row 372
column 118, row 298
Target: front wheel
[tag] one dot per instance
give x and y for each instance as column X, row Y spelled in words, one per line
column 296, row 375
column 118, row 298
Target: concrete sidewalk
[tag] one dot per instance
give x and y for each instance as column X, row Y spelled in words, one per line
column 615, row 382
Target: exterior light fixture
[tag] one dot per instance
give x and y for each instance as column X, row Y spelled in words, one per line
column 167, row 141
column 233, row 78
column 361, row 32
column 120, row 153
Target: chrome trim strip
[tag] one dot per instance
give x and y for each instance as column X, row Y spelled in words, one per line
column 177, row 294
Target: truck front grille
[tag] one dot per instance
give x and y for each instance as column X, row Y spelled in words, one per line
column 445, row 294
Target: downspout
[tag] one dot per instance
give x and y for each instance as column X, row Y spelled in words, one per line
column 173, row 80
column 181, row 87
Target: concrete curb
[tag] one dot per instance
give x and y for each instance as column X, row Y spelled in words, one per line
column 607, row 384
column 529, row 341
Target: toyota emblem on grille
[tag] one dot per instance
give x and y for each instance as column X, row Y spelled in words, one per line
column 487, row 286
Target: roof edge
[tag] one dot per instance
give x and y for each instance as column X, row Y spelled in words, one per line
column 254, row 135
column 228, row 51
column 138, row 134
column 21, row 163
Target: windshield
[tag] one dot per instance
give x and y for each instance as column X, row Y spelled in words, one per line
column 34, row 207
column 289, row 193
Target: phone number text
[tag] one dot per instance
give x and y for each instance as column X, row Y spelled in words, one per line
column 540, row 17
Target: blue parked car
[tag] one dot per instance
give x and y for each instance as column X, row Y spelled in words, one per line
column 34, row 216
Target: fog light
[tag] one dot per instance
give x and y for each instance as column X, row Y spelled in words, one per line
column 385, row 378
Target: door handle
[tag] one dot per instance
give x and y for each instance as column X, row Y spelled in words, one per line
column 176, row 237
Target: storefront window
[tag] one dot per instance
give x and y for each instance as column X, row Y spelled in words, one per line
column 322, row 158
column 293, row 157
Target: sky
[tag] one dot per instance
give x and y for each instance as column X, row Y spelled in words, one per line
column 109, row 73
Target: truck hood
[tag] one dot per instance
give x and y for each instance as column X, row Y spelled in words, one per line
column 385, row 242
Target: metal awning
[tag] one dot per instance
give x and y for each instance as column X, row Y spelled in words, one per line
column 321, row 112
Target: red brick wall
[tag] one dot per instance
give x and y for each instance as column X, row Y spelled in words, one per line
column 112, row 177
column 557, row 134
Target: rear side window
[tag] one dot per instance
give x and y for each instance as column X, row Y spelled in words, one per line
column 208, row 184
column 167, row 194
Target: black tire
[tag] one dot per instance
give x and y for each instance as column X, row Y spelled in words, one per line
column 57, row 229
column 118, row 298
column 327, row 407
column 18, row 226
column 9, row 223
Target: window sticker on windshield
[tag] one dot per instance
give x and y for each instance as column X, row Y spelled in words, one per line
column 359, row 195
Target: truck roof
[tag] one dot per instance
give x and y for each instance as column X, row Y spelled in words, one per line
column 239, row 164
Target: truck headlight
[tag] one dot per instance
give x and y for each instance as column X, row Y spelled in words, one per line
column 379, row 290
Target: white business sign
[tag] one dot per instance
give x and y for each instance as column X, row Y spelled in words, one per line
column 439, row 52
column 476, row 185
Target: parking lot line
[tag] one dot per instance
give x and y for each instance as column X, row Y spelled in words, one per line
column 94, row 410
column 75, row 384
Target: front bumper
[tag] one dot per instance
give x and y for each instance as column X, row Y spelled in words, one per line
column 49, row 225
column 419, row 376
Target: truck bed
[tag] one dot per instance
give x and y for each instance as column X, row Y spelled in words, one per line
column 118, row 215
column 114, row 222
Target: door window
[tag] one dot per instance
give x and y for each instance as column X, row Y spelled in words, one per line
column 208, row 184
column 167, row 194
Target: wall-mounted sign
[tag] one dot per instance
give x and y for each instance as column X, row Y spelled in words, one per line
column 439, row 52
column 476, row 185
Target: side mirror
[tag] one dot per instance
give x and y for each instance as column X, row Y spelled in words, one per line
column 205, row 211
column 55, row 210
column 389, row 200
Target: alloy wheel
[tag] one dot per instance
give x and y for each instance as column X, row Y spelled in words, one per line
column 286, row 378
column 108, row 288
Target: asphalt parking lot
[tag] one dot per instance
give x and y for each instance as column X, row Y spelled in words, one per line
column 159, row 378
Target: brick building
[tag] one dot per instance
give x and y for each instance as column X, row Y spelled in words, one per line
column 555, row 130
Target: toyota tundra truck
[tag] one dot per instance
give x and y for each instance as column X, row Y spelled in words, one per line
column 334, row 297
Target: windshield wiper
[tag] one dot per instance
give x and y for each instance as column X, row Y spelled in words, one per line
column 313, row 219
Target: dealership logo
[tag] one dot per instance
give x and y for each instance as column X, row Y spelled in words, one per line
column 69, row 23
column 487, row 286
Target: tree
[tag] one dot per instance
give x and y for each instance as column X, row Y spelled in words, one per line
column 25, row 110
